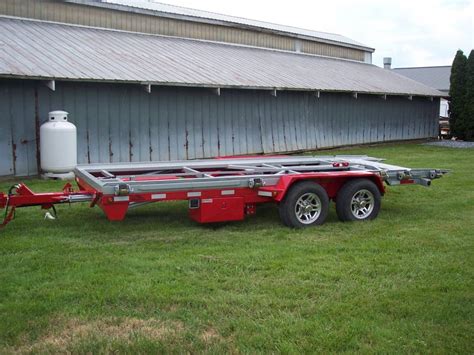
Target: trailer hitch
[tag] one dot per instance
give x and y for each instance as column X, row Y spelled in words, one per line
column 20, row 195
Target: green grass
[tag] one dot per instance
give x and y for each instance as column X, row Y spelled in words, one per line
column 158, row 282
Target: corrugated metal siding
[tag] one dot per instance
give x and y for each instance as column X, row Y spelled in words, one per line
column 332, row 51
column 58, row 11
column 17, row 129
column 121, row 123
column 160, row 8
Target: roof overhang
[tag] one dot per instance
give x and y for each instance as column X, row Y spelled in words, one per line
column 148, row 87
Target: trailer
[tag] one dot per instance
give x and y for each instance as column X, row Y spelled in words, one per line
column 229, row 188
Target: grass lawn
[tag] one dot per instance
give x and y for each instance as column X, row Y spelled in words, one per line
column 158, row 282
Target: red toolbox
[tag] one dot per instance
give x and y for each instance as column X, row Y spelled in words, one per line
column 208, row 210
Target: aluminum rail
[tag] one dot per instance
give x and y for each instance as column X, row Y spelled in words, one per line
column 237, row 172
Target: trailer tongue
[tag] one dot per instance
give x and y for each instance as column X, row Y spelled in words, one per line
column 227, row 189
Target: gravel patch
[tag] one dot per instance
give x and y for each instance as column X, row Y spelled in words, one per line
column 452, row 144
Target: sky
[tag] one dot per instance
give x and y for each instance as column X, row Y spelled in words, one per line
column 412, row 32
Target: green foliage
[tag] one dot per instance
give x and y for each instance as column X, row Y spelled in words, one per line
column 462, row 96
column 457, row 93
column 160, row 283
column 469, row 110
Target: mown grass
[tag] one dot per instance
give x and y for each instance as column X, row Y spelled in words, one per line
column 158, row 282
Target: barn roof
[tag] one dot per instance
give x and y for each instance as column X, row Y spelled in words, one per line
column 44, row 50
column 157, row 8
column 435, row 77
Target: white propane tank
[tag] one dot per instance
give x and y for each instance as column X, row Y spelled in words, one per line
column 58, row 145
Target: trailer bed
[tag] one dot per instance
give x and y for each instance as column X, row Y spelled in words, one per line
column 235, row 172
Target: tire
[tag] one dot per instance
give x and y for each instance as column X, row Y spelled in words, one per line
column 305, row 204
column 358, row 200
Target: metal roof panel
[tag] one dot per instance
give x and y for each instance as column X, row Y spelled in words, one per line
column 38, row 49
column 435, row 77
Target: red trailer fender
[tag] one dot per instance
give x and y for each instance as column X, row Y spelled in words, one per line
column 332, row 182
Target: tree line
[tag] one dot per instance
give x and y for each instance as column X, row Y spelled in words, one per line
column 461, row 92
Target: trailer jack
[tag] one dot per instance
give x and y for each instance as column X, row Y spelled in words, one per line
column 51, row 216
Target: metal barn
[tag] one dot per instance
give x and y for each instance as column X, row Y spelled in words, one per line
column 142, row 96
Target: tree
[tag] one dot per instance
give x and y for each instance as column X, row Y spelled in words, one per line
column 468, row 118
column 457, row 93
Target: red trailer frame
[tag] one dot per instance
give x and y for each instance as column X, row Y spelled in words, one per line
column 228, row 189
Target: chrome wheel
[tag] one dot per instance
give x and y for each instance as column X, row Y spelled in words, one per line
column 308, row 208
column 362, row 204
